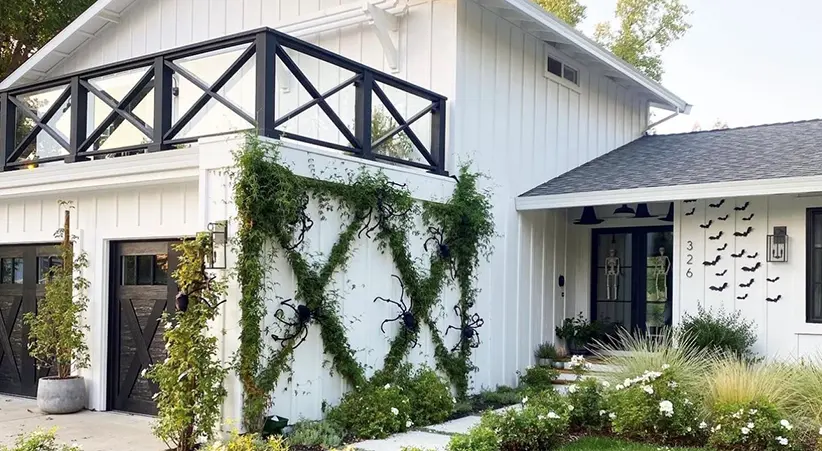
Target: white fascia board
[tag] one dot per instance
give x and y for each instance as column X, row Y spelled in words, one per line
column 535, row 12
column 766, row 187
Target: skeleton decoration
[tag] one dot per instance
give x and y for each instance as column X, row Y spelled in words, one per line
column 468, row 332
column 305, row 223
column 303, row 318
column 409, row 322
column 384, row 212
column 661, row 270
column 613, row 270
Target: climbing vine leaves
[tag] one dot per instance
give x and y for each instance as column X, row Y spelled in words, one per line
column 271, row 203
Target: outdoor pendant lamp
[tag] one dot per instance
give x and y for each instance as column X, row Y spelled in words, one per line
column 589, row 217
column 670, row 216
column 642, row 212
column 624, row 211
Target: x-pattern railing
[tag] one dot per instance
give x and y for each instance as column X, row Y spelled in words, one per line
column 265, row 45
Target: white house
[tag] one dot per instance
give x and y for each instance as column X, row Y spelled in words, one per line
column 134, row 110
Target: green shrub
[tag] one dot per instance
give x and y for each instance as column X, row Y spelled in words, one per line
column 373, row 411
column 590, row 412
column 315, row 433
column 532, row 428
column 40, row 440
column 248, row 442
column 430, row 396
column 546, row 351
column 538, row 378
column 478, row 438
column 720, row 331
column 655, row 408
column 495, row 399
column 737, row 381
column 750, row 426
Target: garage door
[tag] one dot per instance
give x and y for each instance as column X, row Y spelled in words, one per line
column 142, row 289
column 22, row 273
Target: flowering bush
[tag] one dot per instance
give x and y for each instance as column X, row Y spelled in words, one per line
column 478, row 438
column 538, row 378
column 533, row 428
column 40, row 440
column 653, row 407
column 590, row 412
column 751, row 426
column 430, row 396
column 248, row 442
column 373, row 411
column 579, row 365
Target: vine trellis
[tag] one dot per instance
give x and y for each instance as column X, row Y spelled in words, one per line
column 271, row 206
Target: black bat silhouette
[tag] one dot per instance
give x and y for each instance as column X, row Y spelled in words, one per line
column 713, row 263
column 720, row 274
column 717, row 205
column 719, row 288
column 748, row 218
column 776, row 299
column 724, row 246
column 691, row 212
column 708, row 225
column 723, row 218
column 739, row 254
column 742, row 298
column 753, row 268
column 746, row 285
column 717, row 236
column 743, row 207
column 754, row 255
column 690, row 201
column 772, row 280
column 745, row 233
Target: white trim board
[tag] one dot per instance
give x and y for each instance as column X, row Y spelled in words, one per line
column 765, row 187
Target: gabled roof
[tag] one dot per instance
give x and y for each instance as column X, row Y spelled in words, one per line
column 762, row 152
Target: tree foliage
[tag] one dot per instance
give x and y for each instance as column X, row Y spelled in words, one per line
column 28, row 24
column 570, row 11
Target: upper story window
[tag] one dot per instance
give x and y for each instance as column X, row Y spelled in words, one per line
column 562, row 70
column 813, row 309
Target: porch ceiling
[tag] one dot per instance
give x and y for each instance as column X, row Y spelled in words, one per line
column 759, row 160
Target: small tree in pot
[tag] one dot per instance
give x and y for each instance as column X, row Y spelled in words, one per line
column 56, row 331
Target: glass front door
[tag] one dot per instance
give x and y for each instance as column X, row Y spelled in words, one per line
column 632, row 277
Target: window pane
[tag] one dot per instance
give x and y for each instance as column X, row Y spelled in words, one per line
column 145, row 270
column 161, row 270
column 571, row 75
column 129, row 270
column 554, row 67
column 18, row 271
column 817, row 229
column 6, row 270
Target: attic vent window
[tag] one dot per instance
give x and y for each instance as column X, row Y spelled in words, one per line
column 562, row 70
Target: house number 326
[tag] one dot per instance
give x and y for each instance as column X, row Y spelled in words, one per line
column 690, row 260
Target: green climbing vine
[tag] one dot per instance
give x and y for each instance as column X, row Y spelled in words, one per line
column 271, row 203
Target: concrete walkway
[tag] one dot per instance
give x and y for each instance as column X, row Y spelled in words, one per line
column 94, row 431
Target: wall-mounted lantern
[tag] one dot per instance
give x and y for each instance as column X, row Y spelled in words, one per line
column 219, row 245
column 778, row 245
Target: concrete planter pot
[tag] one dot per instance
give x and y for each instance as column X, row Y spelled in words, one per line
column 57, row 396
column 544, row 362
column 558, row 365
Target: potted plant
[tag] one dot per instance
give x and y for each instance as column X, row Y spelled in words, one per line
column 545, row 354
column 561, row 358
column 56, row 333
column 577, row 332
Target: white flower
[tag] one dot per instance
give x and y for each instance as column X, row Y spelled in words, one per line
column 687, row 402
column 753, row 411
column 703, row 425
column 409, row 423
column 673, row 384
column 619, row 387
column 572, row 389
column 552, row 415
column 395, row 411
column 666, row 408
column 648, row 389
column 785, row 424
column 387, row 386
column 603, row 412
column 606, row 384
column 688, row 429
column 612, row 416
column 665, row 366
column 627, row 383
column 525, row 400
column 745, row 431
column 750, row 425
column 143, row 373
column 782, row 441
column 820, row 431
column 737, row 415
column 453, row 400
column 570, row 408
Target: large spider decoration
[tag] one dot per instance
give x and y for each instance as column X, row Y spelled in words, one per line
column 442, row 247
column 409, row 322
column 304, row 316
column 385, row 211
column 305, row 223
column 181, row 301
column 468, row 332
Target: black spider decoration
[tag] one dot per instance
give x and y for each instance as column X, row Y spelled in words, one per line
column 708, row 225
column 384, row 211
column 743, row 207
column 442, row 247
column 303, row 316
column 712, row 263
column 717, row 236
column 468, row 332
column 745, row 233
column 724, row 246
column 305, row 223
column 409, row 322
column 181, row 301
column 717, row 205
column 719, row 288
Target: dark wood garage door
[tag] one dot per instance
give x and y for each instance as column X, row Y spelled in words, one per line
column 142, row 289
column 22, row 273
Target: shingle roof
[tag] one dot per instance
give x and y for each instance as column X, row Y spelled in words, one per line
column 791, row 149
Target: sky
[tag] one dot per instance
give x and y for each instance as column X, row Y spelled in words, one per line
column 744, row 62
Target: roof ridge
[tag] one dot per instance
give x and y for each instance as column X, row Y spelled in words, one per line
column 746, row 127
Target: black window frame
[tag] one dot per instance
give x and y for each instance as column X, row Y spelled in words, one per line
column 813, row 214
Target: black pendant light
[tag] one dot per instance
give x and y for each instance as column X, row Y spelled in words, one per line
column 642, row 212
column 670, row 216
column 589, row 217
column 624, row 211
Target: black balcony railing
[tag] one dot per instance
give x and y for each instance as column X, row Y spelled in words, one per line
column 24, row 125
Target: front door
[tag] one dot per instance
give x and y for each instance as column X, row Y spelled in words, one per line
column 632, row 277
column 142, row 289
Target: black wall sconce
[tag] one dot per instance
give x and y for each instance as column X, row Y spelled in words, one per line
column 219, row 245
column 778, row 245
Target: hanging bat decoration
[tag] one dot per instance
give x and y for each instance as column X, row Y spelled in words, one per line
column 303, row 318
column 689, row 201
column 719, row 288
column 754, row 255
column 723, row 218
column 690, row 213
column 305, row 223
column 742, row 298
column 717, row 236
column 773, row 280
column 718, row 204
column 745, row 233
column 708, row 225
column 746, row 285
column 409, row 322
column 748, row 218
column 739, row 254
column 720, row 274
column 384, row 211
column 776, row 299
column 743, row 207
column 468, row 332
column 724, row 246
column 712, row 263
column 752, row 268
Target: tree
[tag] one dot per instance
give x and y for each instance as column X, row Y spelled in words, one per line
column 27, row 25
column 719, row 124
column 568, row 10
